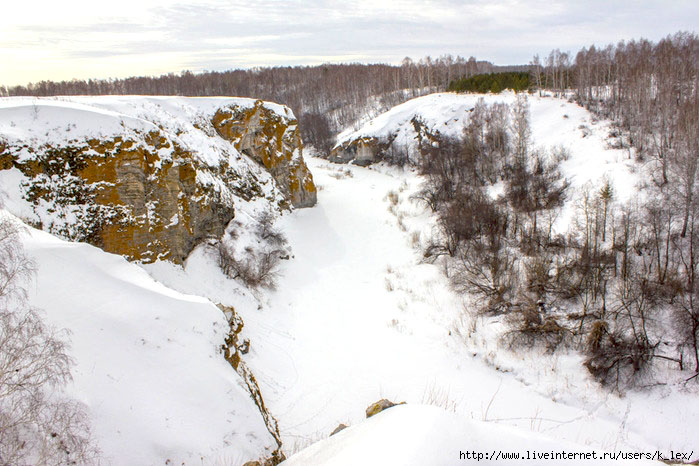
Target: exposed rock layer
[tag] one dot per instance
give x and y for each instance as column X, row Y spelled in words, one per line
column 154, row 186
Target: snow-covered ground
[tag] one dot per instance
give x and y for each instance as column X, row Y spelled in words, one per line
column 419, row 435
column 64, row 119
column 149, row 364
column 357, row 317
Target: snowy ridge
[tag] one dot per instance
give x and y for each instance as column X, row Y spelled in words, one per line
column 445, row 112
column 62, row 120
column 147, row 177
column 420, row 435
column 554, row 123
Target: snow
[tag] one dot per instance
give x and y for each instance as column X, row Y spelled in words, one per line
column 31, row 125
column 419, row 435
column 445, row 112
column 61, row 120
column 554, row 123
column 357, row 316
column 148, row 360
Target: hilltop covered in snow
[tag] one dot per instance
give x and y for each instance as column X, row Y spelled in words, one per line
column 554, row 123
column 149, row 361
column 147, row 177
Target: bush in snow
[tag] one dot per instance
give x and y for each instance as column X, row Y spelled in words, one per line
column 255, row 266
column 254, row 269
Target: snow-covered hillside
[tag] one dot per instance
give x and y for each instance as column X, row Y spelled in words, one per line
column 554, row 123
column 60, row 120
column 357, row 316
column 149, row 364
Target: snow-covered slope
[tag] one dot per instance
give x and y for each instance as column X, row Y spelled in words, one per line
column 445, row 112
column 149, row 362
column 357, row 316
column 419, row 435
column 62, row 120
column 554, row 123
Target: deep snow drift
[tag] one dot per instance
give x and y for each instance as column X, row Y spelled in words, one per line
column 419, row 435
column 356, row 317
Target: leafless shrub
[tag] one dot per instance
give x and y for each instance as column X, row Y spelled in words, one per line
column 342, row 173
column 530, row 326
column 15, row 267
column 389, row 285
column 254, row 269
column 616, row 359
column 38, row 425
column 487, row 273
column 560, row 154
column 266, row 229
column 392, row 197
column 415, row 239
column 538, row 275
column 396, row 154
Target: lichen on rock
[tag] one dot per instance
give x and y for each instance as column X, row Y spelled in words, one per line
column 272, row 140
column 381, row 405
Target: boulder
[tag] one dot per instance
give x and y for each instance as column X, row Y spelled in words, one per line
column 376, row 408
column 339, row 428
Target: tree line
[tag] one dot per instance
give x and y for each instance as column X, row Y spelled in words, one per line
column 492, row 82
column 649, row 90
column 327, row 98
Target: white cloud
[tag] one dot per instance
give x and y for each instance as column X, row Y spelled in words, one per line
column 82, row 39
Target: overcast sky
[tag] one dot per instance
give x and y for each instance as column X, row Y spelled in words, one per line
column 65, row 39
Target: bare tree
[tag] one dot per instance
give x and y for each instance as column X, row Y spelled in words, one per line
column 38, row 425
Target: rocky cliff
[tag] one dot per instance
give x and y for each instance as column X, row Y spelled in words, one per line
column 147, row 177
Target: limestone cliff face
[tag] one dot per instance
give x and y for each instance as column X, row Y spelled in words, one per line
column 361, row 151
column 273, row 141
column 149, row 178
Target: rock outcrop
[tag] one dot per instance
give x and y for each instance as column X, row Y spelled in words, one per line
column 381, row 405
column 273, row 141
column 362, row 151
column 232, row 350
column 149, row 178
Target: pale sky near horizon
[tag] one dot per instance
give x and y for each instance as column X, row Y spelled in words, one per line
column 62, row 40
